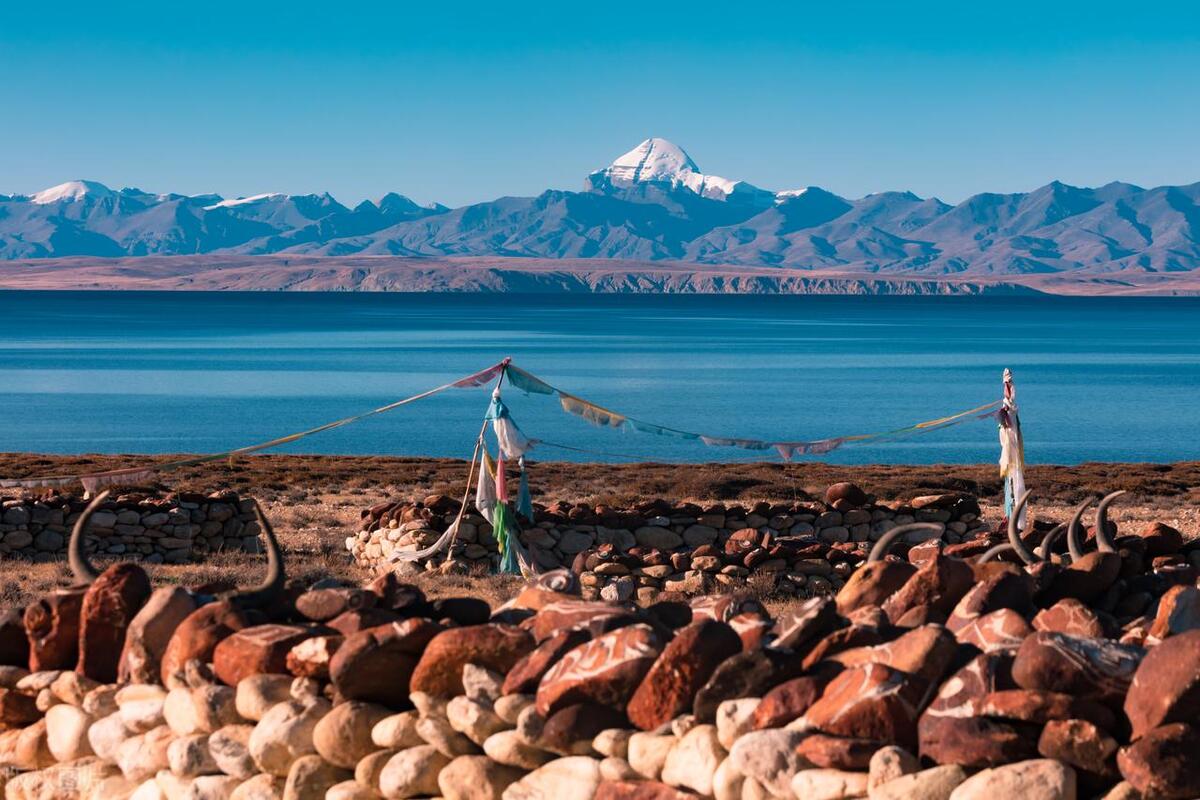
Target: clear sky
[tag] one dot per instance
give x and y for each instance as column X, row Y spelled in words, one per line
column 463, row 101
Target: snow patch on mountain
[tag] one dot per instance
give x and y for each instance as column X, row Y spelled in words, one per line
column 242, row 201
column 71, row 191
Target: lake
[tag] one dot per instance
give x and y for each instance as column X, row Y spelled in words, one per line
column 1098, row 379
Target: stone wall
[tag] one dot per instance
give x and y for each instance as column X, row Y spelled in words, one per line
column 801, row 549
column 172, row 529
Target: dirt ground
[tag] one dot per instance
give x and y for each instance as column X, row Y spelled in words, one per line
column 315, row 501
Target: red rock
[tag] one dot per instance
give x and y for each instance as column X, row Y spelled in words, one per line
column 575, row 613
column 975, row 741
column 322, row 605
column 1160, row 539
column 940, row 583
column 527, row 673
column 376, row 665
column 465, row 611
column 752, row 629
column 813, row 619
column 742, row 542
column 150, row 632
column 1000, row 631
column 1162, row 763
column 747, row 674
column 1098, row 668
column 925, row 652
column 724, row 607
column 363, row 618
column 581, row 722
column 1079, row 743
column 52, row 629
column 17, row 710
column 1035, row 705
column 497, row 647
column 683, row 667
column 257, row 650
column 14, row 643
column 640, row 790
column 872, row 584
column 1085, row 579
column 605, row 671
column 840, row 640
column 1178, row 612
column 1166, row 686
column 791, row 699
column 403, row 598
column 1072, row 617
column 869, row 702
column 199, row 634
column 109, row 607
column 835, row 752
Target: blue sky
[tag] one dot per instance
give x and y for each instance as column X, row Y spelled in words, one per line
column 463, row 102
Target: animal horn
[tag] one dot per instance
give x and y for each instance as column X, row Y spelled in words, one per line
column 989, row 554
column 886, row 541
column 1043, row 549
column 81, row 568
column 1103, row 541
column 1014, row 538
column 272, row 585
column 1074, row 541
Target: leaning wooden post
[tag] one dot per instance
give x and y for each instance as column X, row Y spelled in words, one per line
column 1012, row 448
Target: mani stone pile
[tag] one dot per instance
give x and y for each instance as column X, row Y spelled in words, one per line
column 1027, row 672
column 172, row 530
column 800, row 549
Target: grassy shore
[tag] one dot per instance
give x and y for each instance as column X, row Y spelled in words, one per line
column 315, row 501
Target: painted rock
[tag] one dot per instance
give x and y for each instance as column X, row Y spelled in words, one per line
column 1004, row 590
column 605, row 670
column 1178, row 612
column 1098, row 668
column 1002, row 630
column 1081, row 744
column 814, row 619
column 322, row 605
column 791, row 699
column 52, row 629
column 938, row 586
column 1072, row 617
column 748, row 674
column 925, row 652
column 871, row 701
column 109, row 606
column 198, row 636
column 150, row 631
column 576, row 613
column 1162, row 762
column 257, row 650
column 1166, row 686
column 872, row 584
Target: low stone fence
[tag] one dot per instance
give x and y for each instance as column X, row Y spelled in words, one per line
column 802, row 549
column 172, row 529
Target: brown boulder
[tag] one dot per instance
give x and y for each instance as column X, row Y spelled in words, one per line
column 1160, row 539
column 1085, row 579
column 1040, row 707
column 747, row 674
column 640, row 790
column 257, row 650
column 360, row 619
column 1098, row 668
column 582, row 722
column 322, row 605
column 52, row 629
column 1166, row 686
column 839, row 641
column 975, row 741
column 925, row 652
column 798, row 626
column 311, row 658
column 846, row 492
column 497, row 647
column 790, row 699
column 1162, row 763
column 575, row 613
column 17, row 710
column 1079, row 743
column 376, row 665
column 14, row 643
column 198, row 636
column 109, row 607
column 871, row 701
column 1178, row 611
column 836, row 752
column 605, row 671
column 939, row 584
column 683, row 667
column 150, row 631
column 527, row 673
column 1004, row 590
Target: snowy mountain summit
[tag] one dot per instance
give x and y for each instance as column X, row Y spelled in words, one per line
column 658, row 162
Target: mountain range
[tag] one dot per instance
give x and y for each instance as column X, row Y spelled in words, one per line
column 652, row 204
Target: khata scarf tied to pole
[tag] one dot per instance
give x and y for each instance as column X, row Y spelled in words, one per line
column 1012, row 448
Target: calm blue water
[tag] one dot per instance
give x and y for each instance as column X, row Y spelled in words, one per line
column 1098, row 379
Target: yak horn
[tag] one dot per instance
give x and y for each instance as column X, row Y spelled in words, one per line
column 1104, row 542
column 1074, row 542
column 886, row 541
column 81, row 568
column 1048, row 541
column 272, row 586
column 1014, row 538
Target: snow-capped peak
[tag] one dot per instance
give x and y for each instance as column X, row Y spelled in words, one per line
column 788, row 194
column 241, row 201
column 659, row 161
column 71, row 191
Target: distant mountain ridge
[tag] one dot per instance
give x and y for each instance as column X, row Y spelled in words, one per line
column 651, row 204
